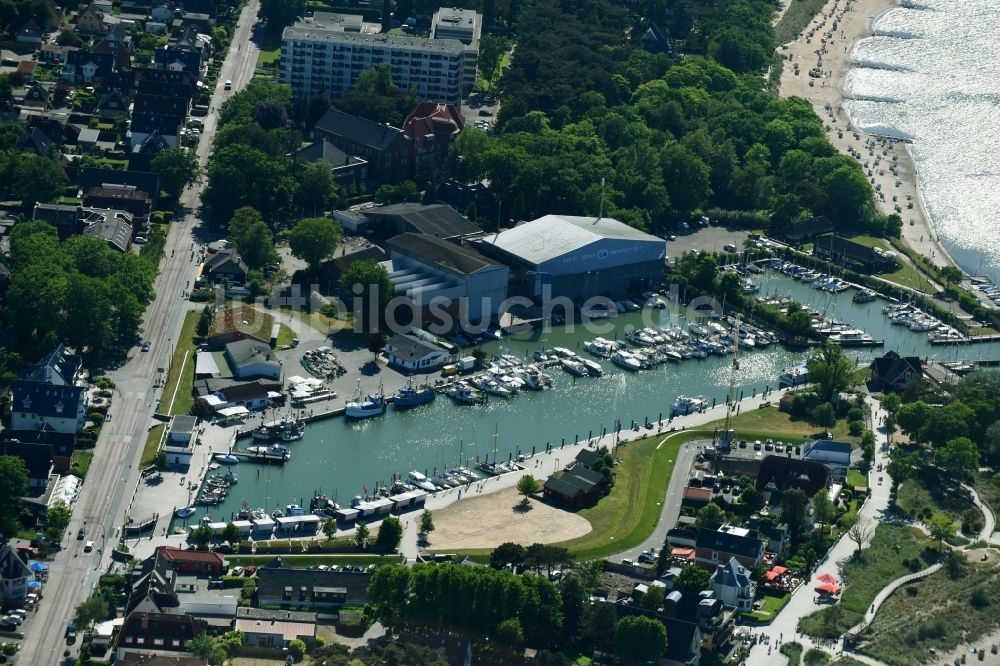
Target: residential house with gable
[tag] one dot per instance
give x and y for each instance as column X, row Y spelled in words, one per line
column 714, row 547
column 49, row 394
column 892, row 372
column 15, row 574
column 732, row 583
column 384, row 147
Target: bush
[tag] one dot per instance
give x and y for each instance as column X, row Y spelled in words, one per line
column 855, row 414
column 979, row 597
column 855, row 427
column 823, row 415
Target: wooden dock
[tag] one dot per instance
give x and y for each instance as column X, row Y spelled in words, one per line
column 969, row 340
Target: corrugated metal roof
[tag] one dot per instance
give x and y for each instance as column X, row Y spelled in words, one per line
column 550, row 236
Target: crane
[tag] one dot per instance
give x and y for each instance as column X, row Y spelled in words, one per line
column 726, row 438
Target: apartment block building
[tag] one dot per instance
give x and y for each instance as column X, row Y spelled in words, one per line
column 465, row 25
column 320, row 56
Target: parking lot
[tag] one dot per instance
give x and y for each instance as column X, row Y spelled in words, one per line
column 480, row 110
column 710, row 239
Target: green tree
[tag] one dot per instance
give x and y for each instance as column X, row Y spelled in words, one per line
column 314, row 239
column 913, row 416
column 824, row 415
column 231, row 534
column 752, row 499
column 367, row 285
column 951, row 275
column 209, row 648
column 426, row 522
column 948, row 423
column 959, row 457
column 316, row 187
column 510, row 633
column 390, row 533
column 35, row 178
column 507, row 554
column 362, row 535
column 574, row 597
column 849, row 192
column 252, row 237
column 526, row 487
column 13, row 486
column 57, row 519
column 202, row 536
column 205, row 321
column 830, row 370
column 160, row 459
column 686, row 178
column 710, row 516
column 793, row 510
column 376, row 343
column 823, row 508
column 329, row 528
column 93, row 610
column 279, row 13
column 891, row 402
column 940, row 527
column 640, row 639
column 297, row 649
column 692, row 578
column 178, row 168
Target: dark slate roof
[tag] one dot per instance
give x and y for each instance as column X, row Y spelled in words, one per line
column 441, row 254
column 152, row 144
column 324, row 150
column 785, row 473
column 587, row 457
column 46, row 399
column 843, row 248
column 438, row 220
column 61, row 443
column 235, row 390
column 115, row 227
column 13, row 564
column 157, row 625
column 161, row 105
column 60, row 215
column 228, row 261
column 154, row 581
column 830, row 446
column 105, row 62
column 244, row 352
column 56, row 367
column 166, row 125
column 273, row 578
column 563, row 486
column 37, row 457
column 35, row 139
column 734, row 544
column 410, row 347
column 147, row 182
column 891, row 365
column 359, row 130
column 681, row 636
column 731, row 574
column 819, row 224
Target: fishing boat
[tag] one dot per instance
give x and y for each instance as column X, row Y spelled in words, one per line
column 573, row 367
column 285, row 430
column 626, row 360
column 594, row 368
column 685, row 405
column 227, row 458
column 185, row 512
column 409, row 396
column 464, row 394
column 367, row 407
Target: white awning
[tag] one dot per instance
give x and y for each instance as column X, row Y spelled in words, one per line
column 205, row 365
column 230, row 412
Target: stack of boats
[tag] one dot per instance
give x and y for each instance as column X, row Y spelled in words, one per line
column 905, row 314
column 845, row 335
column 821, row 281
column 505, row 376
column 215, row 488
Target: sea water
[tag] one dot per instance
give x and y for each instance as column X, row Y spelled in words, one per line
column 929, row 74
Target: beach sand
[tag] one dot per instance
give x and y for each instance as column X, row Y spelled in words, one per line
column 888, row 164
column 486, row 521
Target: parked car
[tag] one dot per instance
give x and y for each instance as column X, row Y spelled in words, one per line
column 236, row 571
column 81, row 534
column 70, row 633
column 628, row 561
column 229, row 84
column 250, row 570
column 216, row 584
column 145, row 346
column 756, row 445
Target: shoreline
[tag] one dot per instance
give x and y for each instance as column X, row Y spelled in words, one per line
column 891, row 170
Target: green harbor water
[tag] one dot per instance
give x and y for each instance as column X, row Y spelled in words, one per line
column 340, row 458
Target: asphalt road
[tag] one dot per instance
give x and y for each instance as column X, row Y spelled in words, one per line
column 106, row 495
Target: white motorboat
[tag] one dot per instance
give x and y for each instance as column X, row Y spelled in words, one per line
column 564, row 353
column 594, row 368
column 186, row 512
column 626, row 360
column 600, row 347
column 494, row 387
column 227, row 458
column 464, row 394
column 421, row 481
column 854, row 337
column 574, row 367
column 685, row 405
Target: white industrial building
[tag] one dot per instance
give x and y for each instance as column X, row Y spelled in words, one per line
column 425, row 268
column 578, row 257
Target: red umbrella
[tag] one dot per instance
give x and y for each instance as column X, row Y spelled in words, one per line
column 828, row 587
column 827, row 578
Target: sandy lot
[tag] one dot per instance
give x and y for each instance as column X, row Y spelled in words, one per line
column 888, row 164
column 486, row 521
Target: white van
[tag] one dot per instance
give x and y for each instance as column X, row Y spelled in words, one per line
column 89, row 546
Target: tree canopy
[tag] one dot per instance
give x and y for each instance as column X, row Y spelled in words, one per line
column 314, row 239
column 640, row 639
column 13, row 486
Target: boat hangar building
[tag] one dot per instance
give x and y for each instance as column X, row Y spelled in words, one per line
column 578, row 257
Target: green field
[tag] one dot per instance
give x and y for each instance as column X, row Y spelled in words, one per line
column 152, row 445
column 181, row 370
column 269, row 57
column 771, row 607
column 879, row 564
column 81, row 463
column 796, row 18
column 856, row 478
column 771, row 422
column 920, row 496
column 285, row 335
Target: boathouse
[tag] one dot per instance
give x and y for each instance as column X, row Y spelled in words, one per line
column 853, row 255
column 411, row 353
column 893, row 372
column 577, row 486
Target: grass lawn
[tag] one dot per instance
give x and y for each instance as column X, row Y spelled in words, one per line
column 81, row 463
column 285, row 335
column 879, row 564
column 848, row 661
column 814, row 657
column 794, row 653
column 771, row 607
column 181, row 371
column 152, row 444
column 856, row 478
column 269, row 57
column 923, row 496
column 937, row 613
column 989, row 491
column 773, row 423
column 907, row 275
column 796, row 18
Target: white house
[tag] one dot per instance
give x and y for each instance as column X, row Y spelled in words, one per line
column 835, row 455
column 732, row 584
column 181, row 439
column 410, row 353
column 47, row 395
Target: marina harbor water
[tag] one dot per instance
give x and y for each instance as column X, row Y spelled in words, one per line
column 342, row 457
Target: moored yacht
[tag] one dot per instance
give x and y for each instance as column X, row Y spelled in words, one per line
column 627, row 360
column 685, row 405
